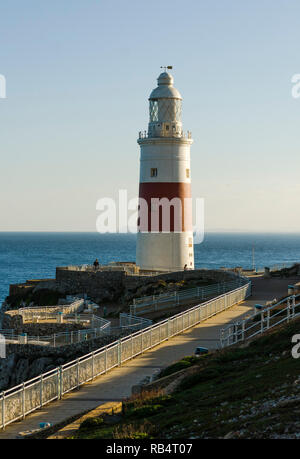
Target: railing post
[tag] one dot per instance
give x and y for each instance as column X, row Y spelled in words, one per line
column 23, row 401
column 105, row 360
column 235, row 333
column 293, row 305
column 243, row 330
column 288, row 309
column 93, row 364
column 268, row 319
column 119, row 353
column 41, row 390
column 77, row 370
column 3, row 410
column 60, row 382
column 262, row 322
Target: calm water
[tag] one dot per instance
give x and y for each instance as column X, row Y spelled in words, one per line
column 36, row 255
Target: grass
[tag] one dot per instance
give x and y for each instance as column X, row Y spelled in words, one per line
column 240, row 389
column 186, row 362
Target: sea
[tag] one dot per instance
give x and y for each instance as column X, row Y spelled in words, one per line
column 36, row 255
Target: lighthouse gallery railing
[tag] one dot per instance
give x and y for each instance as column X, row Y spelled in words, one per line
column 19, row 401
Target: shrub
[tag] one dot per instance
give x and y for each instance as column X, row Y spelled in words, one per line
column 144, row 411
column 203, row 376
column 186, row 362
column 131, row 431
column 91, row 422
column 139, row 399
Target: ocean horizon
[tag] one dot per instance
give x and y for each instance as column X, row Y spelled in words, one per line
column 35, row 255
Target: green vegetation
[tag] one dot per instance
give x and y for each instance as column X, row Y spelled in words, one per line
column 167, row 286
column 91, row 422
column 251, row 391
column 186, row 362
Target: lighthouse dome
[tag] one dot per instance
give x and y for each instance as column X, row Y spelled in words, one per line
column 165, row 88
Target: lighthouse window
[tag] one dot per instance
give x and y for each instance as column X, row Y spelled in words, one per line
column 153, row 172
column 187, row 173
column 153, row 111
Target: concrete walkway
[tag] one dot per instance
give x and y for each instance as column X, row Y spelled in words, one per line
column 116, row 384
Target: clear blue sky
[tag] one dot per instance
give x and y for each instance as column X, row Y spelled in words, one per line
column 79, row 74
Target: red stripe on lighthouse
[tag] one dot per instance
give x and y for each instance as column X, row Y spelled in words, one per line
column 159, row 190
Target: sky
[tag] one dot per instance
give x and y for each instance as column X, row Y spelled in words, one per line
column 79, row 74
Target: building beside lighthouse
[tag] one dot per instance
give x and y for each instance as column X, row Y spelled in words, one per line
column 165, row 232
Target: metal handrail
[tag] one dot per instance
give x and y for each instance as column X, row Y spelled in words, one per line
column 242, row 330
column 151, row 303
column 63, row 338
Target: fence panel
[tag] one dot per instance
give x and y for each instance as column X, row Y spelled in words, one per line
column 86, row 370
column 13, row 407
column 155, row 335
column 112, row 357
column 50, row 387
column 69, row 379
column 137, row 344
column 99, row 363
column 126, row 349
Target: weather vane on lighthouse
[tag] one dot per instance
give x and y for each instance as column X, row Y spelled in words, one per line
column 167, row 67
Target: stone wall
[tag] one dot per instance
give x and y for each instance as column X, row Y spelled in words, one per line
column 25, row 362
column 26, row 287
column 113, row 285
column 100, row 285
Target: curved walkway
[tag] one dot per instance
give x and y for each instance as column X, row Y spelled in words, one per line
column 117, row 384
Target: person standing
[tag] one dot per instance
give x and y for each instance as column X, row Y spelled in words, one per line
column 96, row 264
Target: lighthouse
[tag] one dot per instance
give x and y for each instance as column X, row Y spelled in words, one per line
column 165, row 231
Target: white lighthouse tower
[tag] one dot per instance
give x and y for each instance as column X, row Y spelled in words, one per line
column 165, row 177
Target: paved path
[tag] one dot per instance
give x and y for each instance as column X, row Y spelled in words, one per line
column 116, row 384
